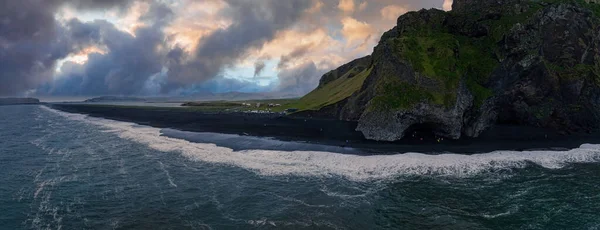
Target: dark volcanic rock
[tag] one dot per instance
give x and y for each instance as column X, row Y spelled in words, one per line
column 550, row 71
column 487, row 7
column 446, row 122
column 519, row 62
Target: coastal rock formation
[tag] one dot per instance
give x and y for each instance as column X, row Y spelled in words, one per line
column 458, row 73
column 18, row 101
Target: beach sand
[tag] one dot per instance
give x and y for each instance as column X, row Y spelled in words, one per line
column 327, row 132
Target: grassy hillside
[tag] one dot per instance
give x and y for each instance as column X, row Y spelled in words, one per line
column 334, row 91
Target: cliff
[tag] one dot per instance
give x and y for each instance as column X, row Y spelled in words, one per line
column 18, row 101
column 525, row 62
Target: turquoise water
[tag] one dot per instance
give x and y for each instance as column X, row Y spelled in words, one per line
column 68, row 171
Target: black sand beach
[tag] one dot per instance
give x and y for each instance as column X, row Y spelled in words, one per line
column 331, row 132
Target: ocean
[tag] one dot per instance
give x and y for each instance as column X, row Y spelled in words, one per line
column 69, row 171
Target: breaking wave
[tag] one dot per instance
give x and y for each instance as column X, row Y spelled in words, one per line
column 353, row 167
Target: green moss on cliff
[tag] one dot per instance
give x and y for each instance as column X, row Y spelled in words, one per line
column 594, row 7
column 570, row 73
column 573, row 73
column 397, row 94
column 446, row 58
column 476, row 63
column 432, row 55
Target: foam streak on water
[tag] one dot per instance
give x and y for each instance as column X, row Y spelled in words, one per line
column 357, row 168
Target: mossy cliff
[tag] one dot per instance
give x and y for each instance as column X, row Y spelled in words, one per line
column 525, row 62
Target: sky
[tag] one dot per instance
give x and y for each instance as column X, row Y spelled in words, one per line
column 185, row 47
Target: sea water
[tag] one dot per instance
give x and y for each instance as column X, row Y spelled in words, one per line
column 69, row 171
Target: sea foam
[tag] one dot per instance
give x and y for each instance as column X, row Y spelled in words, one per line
column 352, row 167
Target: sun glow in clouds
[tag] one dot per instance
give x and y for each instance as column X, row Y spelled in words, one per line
column 258, row 50
column 81, row 57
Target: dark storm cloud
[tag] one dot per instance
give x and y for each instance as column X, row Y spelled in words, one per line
column 129, row 63
column 159, row 15
column 31, row 41
column 67, row 84
column 254, row 23
column 259, row 66
column 296, row 53
column 95, row 4
column 301, row 79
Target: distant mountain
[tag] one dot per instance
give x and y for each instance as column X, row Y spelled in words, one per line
column 18, row 101
column 228, row 96
column 233, row 96
column 115, row 99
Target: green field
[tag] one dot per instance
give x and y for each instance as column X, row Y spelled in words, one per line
column 242, row 106
column 332, row 92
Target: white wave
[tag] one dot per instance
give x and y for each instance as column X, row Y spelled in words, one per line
column 346, row 196
column 298, row 201
column 169, row 178
column 261, row 222
column 359, row 168
column 494, row 216
column 511, row 211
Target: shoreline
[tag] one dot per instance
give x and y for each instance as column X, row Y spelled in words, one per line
column 329, row 132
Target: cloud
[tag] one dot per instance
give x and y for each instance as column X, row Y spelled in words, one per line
column 258, row 67
column 317, row 6
column 30, row 44
column 158, row 15
column 301, row 79
column 254, row 24
column 447, row 6
column 128, row 66
column 363, row 6
column 32, row 41
column 392, row 12
column 195, row 20
column 147, row 47
column 134, row 62
column 296, row 53
column 354, row 30
column 95, row 4
column 346, row 6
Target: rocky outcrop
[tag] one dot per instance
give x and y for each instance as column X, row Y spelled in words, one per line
column 532, row 63
column 487, row 7
column 550, row 70
column 391, row 125
column 18, row 101
column 358, row 65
